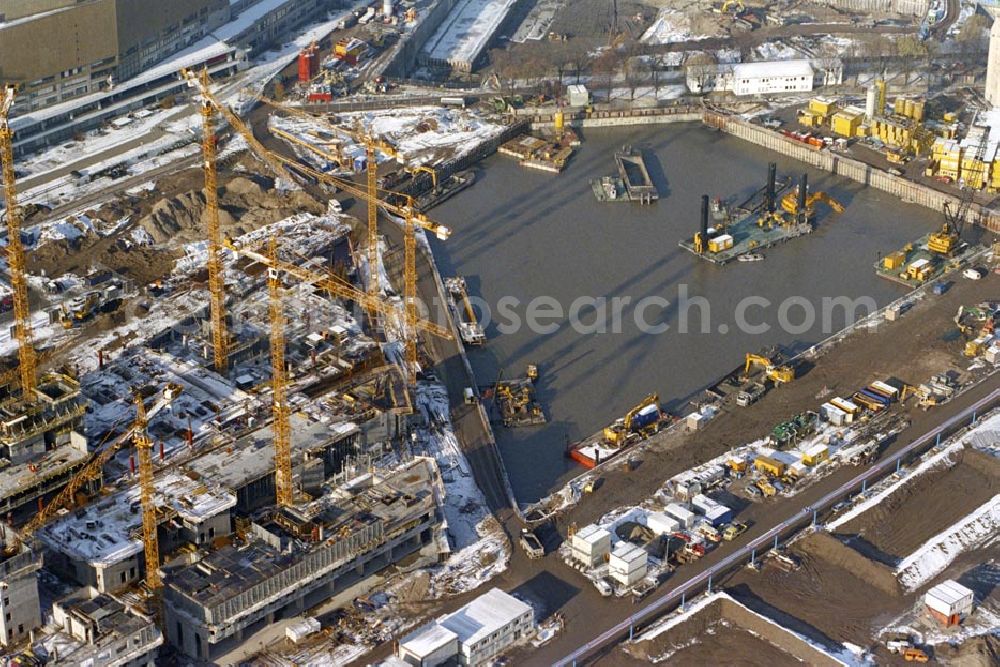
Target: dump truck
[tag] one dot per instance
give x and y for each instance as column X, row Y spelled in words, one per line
column 733, row 530
column 766, row 488
column 531, row 544
column 915, row 655
column 750, row 395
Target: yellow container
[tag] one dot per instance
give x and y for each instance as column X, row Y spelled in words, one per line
column 823, row 106
column 894, row 260
column 767, row 465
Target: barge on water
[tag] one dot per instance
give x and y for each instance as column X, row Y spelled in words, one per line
column 451, row 187
column 517, row 402
column 468, row 325
column 915, row 264
column 632, row 182
column 759, row 227
column 643, row 421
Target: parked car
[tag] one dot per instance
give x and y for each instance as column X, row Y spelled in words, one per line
column 753, row 491
column 974, row 273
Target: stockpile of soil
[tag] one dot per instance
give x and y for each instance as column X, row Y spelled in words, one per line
column 923, row 508
column 722, row 643
column 244, row 205
column 822, row 600
column 171, row 215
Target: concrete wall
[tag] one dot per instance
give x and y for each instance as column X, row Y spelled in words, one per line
column 19, row 599
column 196, row 639
column 845, row 166
column 23, row 60
column 907, row 7
column 150, row 30
column 410, row 45
column 993, row 66
column 16, row 9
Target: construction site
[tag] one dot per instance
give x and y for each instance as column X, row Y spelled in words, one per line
column 299, row 367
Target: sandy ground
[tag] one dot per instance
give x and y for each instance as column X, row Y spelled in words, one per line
column 901, row 523
column 720, row 644
column 805, row 600
column 171, row 213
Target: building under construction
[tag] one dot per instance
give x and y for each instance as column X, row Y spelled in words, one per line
column 41, row 441
column 289, row 559
column 20, row 609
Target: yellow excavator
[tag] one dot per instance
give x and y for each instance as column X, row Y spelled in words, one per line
column 616, row 434
column 778, row 375
column 790, row 203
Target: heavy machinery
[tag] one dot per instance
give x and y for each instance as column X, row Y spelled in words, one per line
column 411, row 220
column 531, row 544
column 778, row 375
column 643, row 420
column 15, row 251
column 410, row 216
column 94, row 467
column 336, row 287
column 426, row 170
column 211, row 105
column 147, row 491
column 733, row 530
column 947, row 240
column 790, row 203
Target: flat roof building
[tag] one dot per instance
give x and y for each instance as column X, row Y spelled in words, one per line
column 99, row 629
column 473, row 635
column 100, row 545
column 293, row 558
column 20, row 609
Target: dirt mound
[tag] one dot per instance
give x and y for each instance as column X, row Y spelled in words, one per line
column 244, row 205
column 981, row 651
column 926, row 505
column 143, row 264
column 832, row 550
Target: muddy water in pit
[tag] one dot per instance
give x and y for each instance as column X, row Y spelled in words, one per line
column 525, row 234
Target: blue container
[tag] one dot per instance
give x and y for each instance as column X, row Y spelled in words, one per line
column 939, row 288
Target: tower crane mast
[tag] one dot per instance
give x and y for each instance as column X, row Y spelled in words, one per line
column 279, row 382
column 15, row 250
column 147, row 491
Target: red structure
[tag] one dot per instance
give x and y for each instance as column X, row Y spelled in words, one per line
column 308, row 63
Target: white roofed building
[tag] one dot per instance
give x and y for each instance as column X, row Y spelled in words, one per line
column 474, row 635
column 773, row 78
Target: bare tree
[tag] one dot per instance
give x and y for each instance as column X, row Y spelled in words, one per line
column 701, row 68
column 605, row 67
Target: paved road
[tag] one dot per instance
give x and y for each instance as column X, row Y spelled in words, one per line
column 800, row 517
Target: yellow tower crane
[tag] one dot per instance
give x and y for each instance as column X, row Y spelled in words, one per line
column 279, row 382
column 15, row 250
column 411, row 220
column 372, row 145
column 371, row 169
column 95, row 465
column 147, row 491
column 216, row 284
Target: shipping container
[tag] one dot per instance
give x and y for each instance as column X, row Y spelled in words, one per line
column 683, row 515
column 661, row 523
